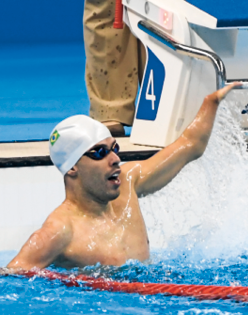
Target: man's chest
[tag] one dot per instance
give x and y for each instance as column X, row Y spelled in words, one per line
column 109, row 241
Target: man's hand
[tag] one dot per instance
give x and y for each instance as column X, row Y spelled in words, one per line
column 221, row 94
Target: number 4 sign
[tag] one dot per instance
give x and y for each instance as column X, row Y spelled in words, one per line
column 151, row 89
column 150, row 86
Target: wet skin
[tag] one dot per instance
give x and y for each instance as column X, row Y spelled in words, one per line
column 100, row 219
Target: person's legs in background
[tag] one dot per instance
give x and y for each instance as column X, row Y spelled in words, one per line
column 112, row 66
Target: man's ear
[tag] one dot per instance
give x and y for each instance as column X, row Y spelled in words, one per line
column 73, row 171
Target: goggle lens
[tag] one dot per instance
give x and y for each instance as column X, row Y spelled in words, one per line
column 101, row 152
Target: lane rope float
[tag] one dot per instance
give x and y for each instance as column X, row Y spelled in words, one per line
column 203, row 292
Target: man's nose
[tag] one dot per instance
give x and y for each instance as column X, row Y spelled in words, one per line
column 114, row 158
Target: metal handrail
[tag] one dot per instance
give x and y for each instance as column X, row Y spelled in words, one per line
column 194, row 52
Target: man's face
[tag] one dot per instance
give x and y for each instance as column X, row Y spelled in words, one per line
column 100, row 178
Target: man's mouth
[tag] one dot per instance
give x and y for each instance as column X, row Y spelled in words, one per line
column 114, row 178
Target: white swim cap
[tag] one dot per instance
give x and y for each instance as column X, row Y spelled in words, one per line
column 72, row 137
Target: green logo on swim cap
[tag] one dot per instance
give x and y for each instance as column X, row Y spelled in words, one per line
column 54, row 137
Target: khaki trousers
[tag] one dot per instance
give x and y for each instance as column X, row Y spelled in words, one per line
column 113, row 64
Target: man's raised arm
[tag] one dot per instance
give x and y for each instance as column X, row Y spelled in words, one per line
column 151, row 175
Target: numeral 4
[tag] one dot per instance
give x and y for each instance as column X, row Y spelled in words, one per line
column 150, row 87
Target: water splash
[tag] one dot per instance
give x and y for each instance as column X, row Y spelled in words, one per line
column 204, row 211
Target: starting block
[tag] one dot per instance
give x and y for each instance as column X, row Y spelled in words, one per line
column 193, row 48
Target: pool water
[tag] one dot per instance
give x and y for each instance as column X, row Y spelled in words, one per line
column 40, row 296
column 198, row 231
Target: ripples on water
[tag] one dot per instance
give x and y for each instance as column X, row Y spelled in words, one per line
column 39, row 296
column 198, row 229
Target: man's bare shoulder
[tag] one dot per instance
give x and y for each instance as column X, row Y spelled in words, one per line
column 57, row 228
column 59, row 220
column 45, row 244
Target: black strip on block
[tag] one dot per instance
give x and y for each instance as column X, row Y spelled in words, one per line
column 46, row 161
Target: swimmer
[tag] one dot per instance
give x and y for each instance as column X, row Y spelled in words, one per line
column 100, row 219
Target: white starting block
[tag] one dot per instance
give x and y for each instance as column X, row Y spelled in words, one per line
column 186, row 56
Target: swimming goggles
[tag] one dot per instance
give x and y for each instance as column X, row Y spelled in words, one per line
column 99, row 152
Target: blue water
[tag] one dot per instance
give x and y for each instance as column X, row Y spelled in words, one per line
column 19, row 295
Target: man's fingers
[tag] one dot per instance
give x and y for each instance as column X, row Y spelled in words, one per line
column 225, row 90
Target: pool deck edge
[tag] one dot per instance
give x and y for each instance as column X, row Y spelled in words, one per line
column 23, row 154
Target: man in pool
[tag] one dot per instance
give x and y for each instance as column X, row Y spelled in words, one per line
column 100, row 219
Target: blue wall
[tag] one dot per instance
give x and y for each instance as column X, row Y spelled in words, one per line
column 39, row 21
column 42, row 63
column 228, row 13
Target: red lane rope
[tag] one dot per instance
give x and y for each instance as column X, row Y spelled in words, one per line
column 206, row 292
column 118, row 23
